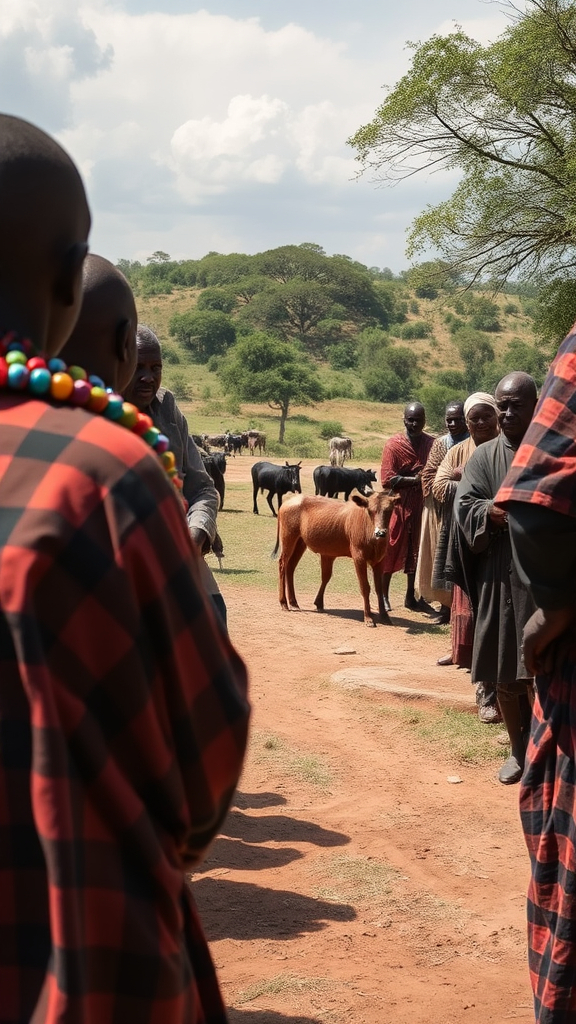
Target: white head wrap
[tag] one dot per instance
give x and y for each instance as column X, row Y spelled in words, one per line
column 479, row 398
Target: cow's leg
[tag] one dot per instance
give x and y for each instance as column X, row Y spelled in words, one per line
column 383, row 612
column 326, row 566
column 361, row 567
column 255, row 508
column 298, row 551
column 269, row 500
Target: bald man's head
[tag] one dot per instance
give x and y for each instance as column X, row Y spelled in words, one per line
column 104, row 339
column 44, row 225
column 516, row 396
column 414, row 419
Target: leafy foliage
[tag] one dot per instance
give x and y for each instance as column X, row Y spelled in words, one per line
column 262, row 368
column 205, row 333
column 504, row 116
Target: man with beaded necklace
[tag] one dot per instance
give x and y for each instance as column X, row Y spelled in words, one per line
column 123, row 710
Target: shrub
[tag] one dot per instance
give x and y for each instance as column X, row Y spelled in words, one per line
column 415, row 329
column 435, row 398
column 205, row 332
column 180, row 386
column 343, row 356
column 219, row 299
column 331, row 428
column 170, row 354
column 484, row 315
column 454, row 379
column 384, row 386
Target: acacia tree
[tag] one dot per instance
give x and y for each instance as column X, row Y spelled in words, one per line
column 505, row 116
column 260, row 368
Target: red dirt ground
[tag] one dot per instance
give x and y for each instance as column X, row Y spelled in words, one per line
column 353, row 882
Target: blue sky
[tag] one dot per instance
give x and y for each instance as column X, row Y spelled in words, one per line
column 223, row 126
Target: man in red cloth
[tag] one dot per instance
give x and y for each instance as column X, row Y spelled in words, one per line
column 123, row 711
column 403, row 460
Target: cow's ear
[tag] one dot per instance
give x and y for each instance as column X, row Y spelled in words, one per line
column 358, row 499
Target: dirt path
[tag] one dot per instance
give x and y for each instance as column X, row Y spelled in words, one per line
column 353, row 881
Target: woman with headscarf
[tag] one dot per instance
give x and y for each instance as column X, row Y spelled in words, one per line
column 482, row 423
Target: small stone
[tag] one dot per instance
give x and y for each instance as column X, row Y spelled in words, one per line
column 345, row 650
column 454, row 779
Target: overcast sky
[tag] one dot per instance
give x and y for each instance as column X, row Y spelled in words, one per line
column 223, row 127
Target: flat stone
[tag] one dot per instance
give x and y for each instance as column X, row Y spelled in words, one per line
column 345, row 650
column 454, row 779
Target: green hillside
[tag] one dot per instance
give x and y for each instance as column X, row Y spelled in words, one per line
column 373, row 340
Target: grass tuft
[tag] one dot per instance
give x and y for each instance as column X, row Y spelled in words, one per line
column 356, row 879
column 308, row 767
column 281, row 984
column 458, row 734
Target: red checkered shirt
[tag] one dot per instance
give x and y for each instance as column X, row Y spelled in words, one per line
column 123, row 721
column 544, row 466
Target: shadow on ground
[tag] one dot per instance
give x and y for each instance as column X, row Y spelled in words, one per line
column 267, row 1017
column 257, row 801
column 240, row 846
column 243, row 910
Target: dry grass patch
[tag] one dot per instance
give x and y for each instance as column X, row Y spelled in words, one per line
column 282, row 984
column 355, row 879
column 459, row 735
column 307, row 767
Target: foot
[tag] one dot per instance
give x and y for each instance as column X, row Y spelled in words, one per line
column 446, row 660
column 387, row 605
column 511, row 771
column 442, row 619
column 419, row 605
column 489, row 714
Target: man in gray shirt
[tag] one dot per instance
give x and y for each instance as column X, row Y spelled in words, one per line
column 146, row 393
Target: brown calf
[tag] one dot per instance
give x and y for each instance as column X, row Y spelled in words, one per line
column 357, row 529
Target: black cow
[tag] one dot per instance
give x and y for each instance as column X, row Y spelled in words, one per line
column 329, row 481
column 215, row 465
column 278, row 480
column 236, row 442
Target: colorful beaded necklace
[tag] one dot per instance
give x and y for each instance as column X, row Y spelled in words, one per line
column 21, row 370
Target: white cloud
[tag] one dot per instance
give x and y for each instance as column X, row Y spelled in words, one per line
column 198, row 130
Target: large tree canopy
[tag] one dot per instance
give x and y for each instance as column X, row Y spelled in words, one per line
column 264, row 369
column 504, row 115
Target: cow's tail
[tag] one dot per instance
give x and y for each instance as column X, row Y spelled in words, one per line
column 274, row 554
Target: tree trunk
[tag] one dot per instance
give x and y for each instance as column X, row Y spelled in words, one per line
column 283, row 418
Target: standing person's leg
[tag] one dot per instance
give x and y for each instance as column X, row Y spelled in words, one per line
column 386, row 577
column 516, row 713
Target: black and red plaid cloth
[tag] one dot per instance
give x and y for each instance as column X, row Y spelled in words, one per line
column 544, row 474
column 123, row 723
column 543, row 471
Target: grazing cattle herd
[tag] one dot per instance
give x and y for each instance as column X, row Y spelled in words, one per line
column 355, row 528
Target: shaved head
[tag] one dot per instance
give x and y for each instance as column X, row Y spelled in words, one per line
column 104, row 339
column 414, row 419
column 518, row 381
column 516, row 396
column 44, row 225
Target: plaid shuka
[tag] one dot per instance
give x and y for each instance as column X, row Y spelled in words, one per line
column 544, row 473
column 123, row 720
column 544, row 466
